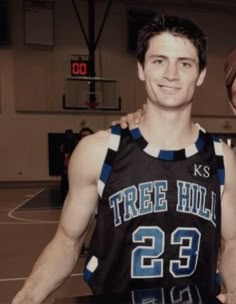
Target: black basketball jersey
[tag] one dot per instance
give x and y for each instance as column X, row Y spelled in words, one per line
column 159, row 213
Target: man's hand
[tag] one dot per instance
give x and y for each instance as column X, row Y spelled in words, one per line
column 131, row 119
column 227, row 298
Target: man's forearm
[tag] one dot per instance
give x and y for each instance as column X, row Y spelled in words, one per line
column 52, row 267
column 227, row 266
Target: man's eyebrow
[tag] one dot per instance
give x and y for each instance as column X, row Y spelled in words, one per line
column 166, row 57
column 188, row 59
column 158, row 56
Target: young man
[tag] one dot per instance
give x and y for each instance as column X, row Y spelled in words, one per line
column 230, row 78
column 163, row 202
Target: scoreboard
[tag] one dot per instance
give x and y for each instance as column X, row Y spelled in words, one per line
column 79, row 67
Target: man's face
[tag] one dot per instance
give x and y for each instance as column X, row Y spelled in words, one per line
column 170, row 71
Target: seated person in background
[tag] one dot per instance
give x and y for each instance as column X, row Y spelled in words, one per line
column 164, row 191
column 85, row 131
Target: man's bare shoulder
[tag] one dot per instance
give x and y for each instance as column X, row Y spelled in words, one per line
column 230, row 164
column 98, row 140
column 90, row 152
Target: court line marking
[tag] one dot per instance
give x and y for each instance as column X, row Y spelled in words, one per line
column 33, row 209
column 24, row 278
column 29, row 223
column 10, row 213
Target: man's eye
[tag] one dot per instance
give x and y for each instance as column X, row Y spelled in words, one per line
column 186, row 64
column 158, row 61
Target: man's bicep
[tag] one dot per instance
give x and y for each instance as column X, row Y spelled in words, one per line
column 81, row 201
column 228, row 204
column 77, row 212
column 229, row 215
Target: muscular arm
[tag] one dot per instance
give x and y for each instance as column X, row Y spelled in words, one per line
column 227, row 262
column 59, row 257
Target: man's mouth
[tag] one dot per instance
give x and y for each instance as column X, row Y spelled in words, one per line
column 168, row 88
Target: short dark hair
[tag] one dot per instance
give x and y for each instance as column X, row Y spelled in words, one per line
column 176, row 26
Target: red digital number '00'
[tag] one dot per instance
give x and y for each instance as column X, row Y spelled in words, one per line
column 79, row 68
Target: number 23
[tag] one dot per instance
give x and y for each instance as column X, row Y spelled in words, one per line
column 153, row 252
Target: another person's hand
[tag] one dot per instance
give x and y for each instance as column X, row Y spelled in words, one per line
column 132, row 119
column 227, row 298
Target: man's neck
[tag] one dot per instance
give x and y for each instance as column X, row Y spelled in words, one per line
column 170, row 130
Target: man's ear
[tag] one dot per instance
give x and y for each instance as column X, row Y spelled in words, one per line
column 201, row 77
column 140, row 72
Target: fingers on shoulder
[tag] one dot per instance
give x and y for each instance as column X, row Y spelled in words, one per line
column 134, row 118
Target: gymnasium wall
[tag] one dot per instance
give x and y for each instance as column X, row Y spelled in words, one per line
column 32, row 80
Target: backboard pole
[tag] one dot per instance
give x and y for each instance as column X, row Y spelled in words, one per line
column 91, row 32
column 91, row 41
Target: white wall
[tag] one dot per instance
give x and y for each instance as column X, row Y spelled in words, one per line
column 32, row 81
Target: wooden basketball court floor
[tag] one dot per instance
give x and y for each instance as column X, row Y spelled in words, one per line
column 28, row 220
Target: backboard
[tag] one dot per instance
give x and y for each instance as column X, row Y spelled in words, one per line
column 91, row 93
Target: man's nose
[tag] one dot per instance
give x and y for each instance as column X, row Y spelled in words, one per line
column 171, row 72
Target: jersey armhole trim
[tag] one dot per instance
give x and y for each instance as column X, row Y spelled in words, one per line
column 113, row 146
column 217, row 142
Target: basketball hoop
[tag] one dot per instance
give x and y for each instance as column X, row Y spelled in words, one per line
column 92, row 99
column 92, row 105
